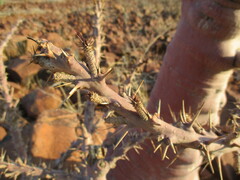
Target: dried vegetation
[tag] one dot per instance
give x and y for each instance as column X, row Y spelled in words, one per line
column 104, row 62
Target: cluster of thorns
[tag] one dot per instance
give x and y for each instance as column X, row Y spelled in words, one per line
column 126, row 111
column 130, row 111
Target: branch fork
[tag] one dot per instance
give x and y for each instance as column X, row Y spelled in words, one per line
column 130, row 111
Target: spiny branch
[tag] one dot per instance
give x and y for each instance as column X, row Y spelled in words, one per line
column 132, row 109
column 107, row 96
column 3, row 77
column 14, row 169
column 103, row 166
column 97, row 31
column 13, row 127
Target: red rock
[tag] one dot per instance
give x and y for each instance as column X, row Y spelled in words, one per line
column 53, row 133
column 19, row 45
column 16, row 47
column 19, row 69
column 3, row 133
column 41, row 100
column 55, row 130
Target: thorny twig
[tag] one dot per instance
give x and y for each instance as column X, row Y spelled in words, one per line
column 103, row 166
column 84, row 140
column 14, row 169
column 58, row 162
column 3, row 77
column 97, row 31
column 57, row 60
column 13, row 128
column 131, row 108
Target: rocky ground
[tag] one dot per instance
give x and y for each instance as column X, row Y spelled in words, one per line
column 136, row 37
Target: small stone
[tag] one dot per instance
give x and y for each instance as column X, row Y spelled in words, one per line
column 40, row 100
column 19, row 69
column 55, row 130
column 3, row 133
column 53, row 133
column 16, row 47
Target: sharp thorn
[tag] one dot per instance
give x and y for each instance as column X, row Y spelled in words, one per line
column 204, row 168
column 34, row 50
column 106, row 74
column 220, row 167
column 138, row 89
column 65, row 54
column 165, row 152
column 72, row 91
column 155, row 150
column 120, row 140
column 176, row 157
column 136, row 150
column 130, row 91
column 138, row 147
column 210, row 162
column 184, row 117
column 209, row 158
column 36, row 41
column 196, row 116
column 160, row 138
column 159, row 108
column 80, row 36
column 181, row 117
column 61, row 85
column 48, row 79
column 153, row 145
column 172, row 114
column 173, row 147
column 125, row 156
column 210, row 121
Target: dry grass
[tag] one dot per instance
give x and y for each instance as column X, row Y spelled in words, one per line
column 135, row 40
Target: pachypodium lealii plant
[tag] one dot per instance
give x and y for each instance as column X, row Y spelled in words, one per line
column 191, row 84
column 171, row 139
column 196, row 69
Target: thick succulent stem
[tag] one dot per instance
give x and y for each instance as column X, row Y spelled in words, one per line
column 196, row 69
column 199, row 60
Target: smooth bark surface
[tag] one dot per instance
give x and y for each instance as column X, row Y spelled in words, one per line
column 196, row 69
